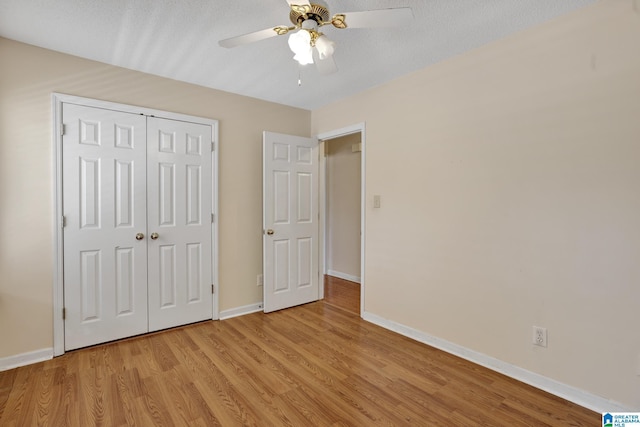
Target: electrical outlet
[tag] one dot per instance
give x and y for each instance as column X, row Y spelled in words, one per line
column 540, row 336
column 260, row 280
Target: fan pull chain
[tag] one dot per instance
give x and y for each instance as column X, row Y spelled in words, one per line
column 299, row 77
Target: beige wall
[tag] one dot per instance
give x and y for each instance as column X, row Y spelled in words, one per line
column 28, row 76
column 510, row 180
column 343, row 206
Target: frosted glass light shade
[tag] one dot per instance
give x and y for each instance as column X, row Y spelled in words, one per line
column 300, row 44
column 325, row 47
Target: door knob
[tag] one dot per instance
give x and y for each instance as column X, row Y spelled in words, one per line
column 154, row 236
column 139, row 236
column 270, row 232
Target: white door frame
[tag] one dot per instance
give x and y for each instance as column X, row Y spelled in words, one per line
column 57, row 100
column 323, row 137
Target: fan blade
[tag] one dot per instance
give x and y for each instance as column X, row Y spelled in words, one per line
column 300, row 6
column 249, row 38
column 326, row 65
column 298, row 3
column 374, row 18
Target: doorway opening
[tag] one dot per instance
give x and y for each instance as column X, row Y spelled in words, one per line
column 342, row 217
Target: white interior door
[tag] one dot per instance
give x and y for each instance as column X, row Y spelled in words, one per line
column 180, row 207
column 290, row 220
column 105, row 274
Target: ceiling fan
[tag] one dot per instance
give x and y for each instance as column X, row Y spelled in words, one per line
column 306, row 41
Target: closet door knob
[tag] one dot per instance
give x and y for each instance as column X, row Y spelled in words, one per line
column 270, row 232
column 139, row 236
column 154, row 236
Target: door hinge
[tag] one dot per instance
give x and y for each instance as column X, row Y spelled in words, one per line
column 64, row 313
column 213, row 289
column 62, row 129
column 213, row 218
column 63, row 222
column 213, row 146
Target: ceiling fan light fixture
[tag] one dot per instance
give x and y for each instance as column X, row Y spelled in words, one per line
column 325, row 47
column 300, row 45
column 308, row 43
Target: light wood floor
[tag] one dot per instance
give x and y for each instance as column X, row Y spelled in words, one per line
column 342, row 293
column 312, row 365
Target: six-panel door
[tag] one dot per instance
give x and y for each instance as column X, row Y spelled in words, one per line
column 105, row 266
column 179, row 196
column 290, row 210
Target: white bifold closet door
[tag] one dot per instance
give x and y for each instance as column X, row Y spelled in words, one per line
column 137, row 235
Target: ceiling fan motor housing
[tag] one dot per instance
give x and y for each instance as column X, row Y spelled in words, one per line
column 318, row 12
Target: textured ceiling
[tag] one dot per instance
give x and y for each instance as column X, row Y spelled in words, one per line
column 179, row 39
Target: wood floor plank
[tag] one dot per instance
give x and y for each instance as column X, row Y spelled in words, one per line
column 45, row 401
column 312, row 365
column 6, row 385
column 22, row 402
column 156, row 410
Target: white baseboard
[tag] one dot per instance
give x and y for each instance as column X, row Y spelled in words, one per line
column 241, row 311
column 23, row 359
column 570, row 393
column 344, row 276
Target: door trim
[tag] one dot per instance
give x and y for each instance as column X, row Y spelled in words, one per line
column 323, row 137
column 57, row 99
